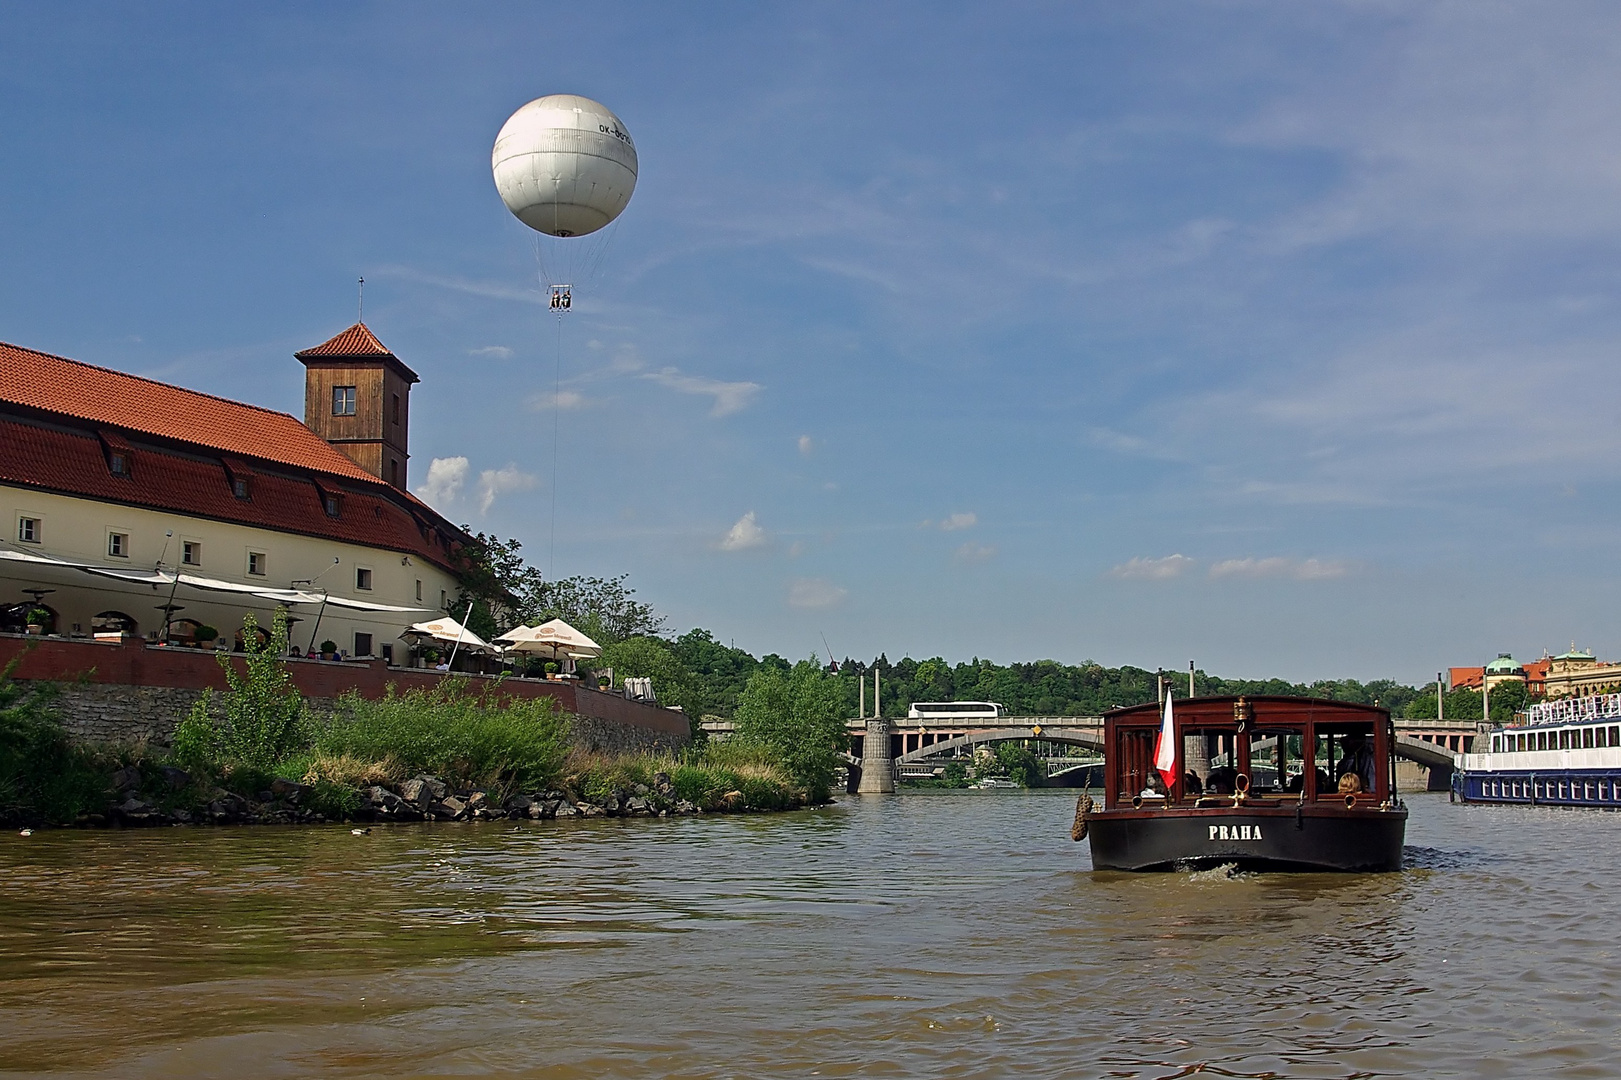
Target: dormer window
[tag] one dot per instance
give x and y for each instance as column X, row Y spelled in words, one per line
column 343, row 401
column 239, row 487
column 118, row 463
column 333, row 504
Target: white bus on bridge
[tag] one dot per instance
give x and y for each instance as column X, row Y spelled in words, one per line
column 955, row 710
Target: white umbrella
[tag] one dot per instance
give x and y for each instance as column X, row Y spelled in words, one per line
column 555, row 639
column 447, row 629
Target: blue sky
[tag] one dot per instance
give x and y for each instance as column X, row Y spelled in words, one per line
column 1279, row 336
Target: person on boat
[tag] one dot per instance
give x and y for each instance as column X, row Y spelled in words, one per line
column 1221, row 780
column 1154, row 788
column 1357, row 759
column 1191, row 784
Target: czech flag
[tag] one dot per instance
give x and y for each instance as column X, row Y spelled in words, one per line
column 1165, row 747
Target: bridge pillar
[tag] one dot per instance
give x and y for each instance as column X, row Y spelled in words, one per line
column 877, row 767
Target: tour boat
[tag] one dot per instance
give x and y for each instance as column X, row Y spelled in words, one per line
column 1562, row 753
column 1263, row 782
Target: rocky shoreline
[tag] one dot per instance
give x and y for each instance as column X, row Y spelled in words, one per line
column 421, row 798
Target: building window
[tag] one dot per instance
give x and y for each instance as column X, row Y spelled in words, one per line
column 444, row 600
column 28, row 530
column 343, row 401
column 118, row 545
column 333, row 505
column 362, row 644
column 419, row 590
column 239, row 487
column 191, row 553
column 388, row 655
column 362, row 578
column 256, row 563
column 394, row 409
column 119, row 464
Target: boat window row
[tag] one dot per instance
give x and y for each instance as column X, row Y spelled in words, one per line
column 1593, row 736
column 1330, row 761
column 1600, row 789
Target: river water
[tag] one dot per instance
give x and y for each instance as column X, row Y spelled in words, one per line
column 922, row 935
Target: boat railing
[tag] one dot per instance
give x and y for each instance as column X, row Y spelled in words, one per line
column 1573, row 710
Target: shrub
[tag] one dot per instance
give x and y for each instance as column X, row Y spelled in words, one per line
column 260, row 718
column 501, row 745
column 798, row 717
column 44, row 777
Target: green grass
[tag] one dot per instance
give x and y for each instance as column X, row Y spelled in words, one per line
column 716, row 777
column 501, row 746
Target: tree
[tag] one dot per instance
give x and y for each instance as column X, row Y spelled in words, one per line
column 601, row 608
column 1021, row 764
column 644, row 657
column 798, row 717
column 496, row 582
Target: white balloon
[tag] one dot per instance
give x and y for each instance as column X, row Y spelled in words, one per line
column 564, row 165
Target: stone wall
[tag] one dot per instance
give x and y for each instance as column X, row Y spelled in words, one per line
column 130, row 715
column 135, row 693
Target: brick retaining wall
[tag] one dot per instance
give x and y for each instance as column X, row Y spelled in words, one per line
column 134, row 692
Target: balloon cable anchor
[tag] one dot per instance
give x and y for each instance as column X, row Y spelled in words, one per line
column 562, row 298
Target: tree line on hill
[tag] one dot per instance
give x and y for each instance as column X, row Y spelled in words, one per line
column 708, row 678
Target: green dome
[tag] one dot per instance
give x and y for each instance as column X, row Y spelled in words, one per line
column 1503, row 665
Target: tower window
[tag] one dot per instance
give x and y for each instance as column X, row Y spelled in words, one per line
column 343, row 401
column 394, row 409
column 394, row 471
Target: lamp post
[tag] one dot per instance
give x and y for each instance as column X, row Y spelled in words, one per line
column 1440, row 700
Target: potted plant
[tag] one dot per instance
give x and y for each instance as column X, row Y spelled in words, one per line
column 38, row 619
column 329, row 649
column 551, row 669
column 205, row 636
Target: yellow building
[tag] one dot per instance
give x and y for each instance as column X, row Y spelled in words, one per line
column 1578, row 672
column 132, row 506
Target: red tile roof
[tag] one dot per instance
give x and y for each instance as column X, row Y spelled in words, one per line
column 71, row 462
column 358, row 340
column 355, row 343
column 54, row 384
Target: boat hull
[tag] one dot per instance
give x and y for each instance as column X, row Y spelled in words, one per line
column 1600, row 788
column 1308, row 838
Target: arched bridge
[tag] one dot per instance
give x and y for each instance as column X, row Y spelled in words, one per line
column 912, row 742
column 1089, row 738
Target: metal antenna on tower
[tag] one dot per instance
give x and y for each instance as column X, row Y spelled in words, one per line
column 360, row 312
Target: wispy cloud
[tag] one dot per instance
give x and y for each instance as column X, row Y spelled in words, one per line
column 730, row 397
column 561, row 399
column 496, row 482
column 745, row 535
column 960, row 521
column 444, row 483
column 815, row 593
column 806, row 445
column 1278, row 567
column 488, row 289
column 1143, row 569
column 500, row 352
column 972, row 552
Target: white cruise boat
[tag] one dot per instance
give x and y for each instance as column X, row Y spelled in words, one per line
column 1563, row 753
